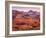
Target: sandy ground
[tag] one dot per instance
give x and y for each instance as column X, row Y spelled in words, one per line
column 25, row 24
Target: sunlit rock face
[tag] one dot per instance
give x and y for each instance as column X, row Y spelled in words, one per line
column 25, row 20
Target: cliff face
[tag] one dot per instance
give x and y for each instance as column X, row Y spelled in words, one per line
column 25, row 20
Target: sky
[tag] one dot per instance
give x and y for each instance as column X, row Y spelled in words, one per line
column 26, row 9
